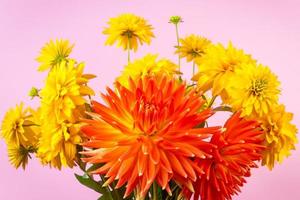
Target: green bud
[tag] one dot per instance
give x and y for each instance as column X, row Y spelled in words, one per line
column 34, row 92
column 175, row 19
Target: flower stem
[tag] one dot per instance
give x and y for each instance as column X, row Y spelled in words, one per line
column 177, row 36
column 212, row 101
column 129, row 46
column 193, row 68
column 155, row 196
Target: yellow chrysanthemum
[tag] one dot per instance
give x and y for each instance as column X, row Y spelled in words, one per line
column 18, row 155
column 17, row 127
column 127, row 30
column 193, row 48
column 64, row 90
column 57, row 145
column 217, row 68
column 280, row 136
column 148, row 65
column 254, row 90
column 53, row 53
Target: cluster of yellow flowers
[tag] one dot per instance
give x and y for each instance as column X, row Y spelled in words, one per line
column 52, row 131
column 245, row 85
column 152, row 129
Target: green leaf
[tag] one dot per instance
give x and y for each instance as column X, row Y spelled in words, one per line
column 90, row 183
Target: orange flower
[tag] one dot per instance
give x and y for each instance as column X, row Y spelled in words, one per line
column 239, row 146
column 147, row 133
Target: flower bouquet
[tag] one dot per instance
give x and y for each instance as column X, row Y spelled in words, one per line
column 149, row 137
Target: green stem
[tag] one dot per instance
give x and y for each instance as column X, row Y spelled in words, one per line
column 129, row 46
column 177, row 36
column 223, row 108
column 155, row 196
column 194, row 68
column 212, row 101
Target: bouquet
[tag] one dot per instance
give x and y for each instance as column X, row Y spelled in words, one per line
column 149, row 137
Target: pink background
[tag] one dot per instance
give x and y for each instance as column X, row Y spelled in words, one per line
column 269, row 30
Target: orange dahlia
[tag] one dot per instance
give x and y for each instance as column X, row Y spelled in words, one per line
column 148, row 133
column 239, row 146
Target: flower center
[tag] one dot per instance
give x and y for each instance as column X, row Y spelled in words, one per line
column 196, row 52
column 129, row 33
column 258, row 86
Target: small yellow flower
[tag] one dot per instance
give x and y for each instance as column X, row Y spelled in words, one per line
column 18, row 155
column 280, row 136
column 64, row 90
column 53, row 53
column 127, row 30
column 193, row 48
column 217, row 68
column 17, row 127
column 254, row 90
column 148, row 65
column 57, row 145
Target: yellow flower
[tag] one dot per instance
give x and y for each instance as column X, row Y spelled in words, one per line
column 53, row 53
column 17, row 127
column 280, row 136
column 127, row 30
column 64, row 90
column 193, row 48
column 57, row 145
column 254, row 90
column 217, row 68
column 18, row 155
column 148, row 65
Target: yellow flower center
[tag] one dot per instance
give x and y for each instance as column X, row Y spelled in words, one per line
column 258, row 86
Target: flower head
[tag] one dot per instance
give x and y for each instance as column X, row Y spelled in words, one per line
column 64, row 90
column 57, row 145
column 147, row 133
column 18, row 155
column 148, row 65
column 239, row 146
column 54, row 53
column 254, row 89
column 128, row 30
column 280, row 136
column 193, row 48
column 17, row 127
column 217, row 68
column 175, row 19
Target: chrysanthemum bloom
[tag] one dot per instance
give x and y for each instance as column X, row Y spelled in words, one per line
column 254, row 90
column 218, row 66
column 64, row 90
column 17, row 127
column 53, row 53
column 57, row 145
column 193, row 48
column 280, row 136
column 18, row 155
column 148, row 65
column 239, row 146
column 147, row 133
column 128, row 30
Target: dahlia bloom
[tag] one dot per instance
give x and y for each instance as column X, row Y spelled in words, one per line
column 148, row 133
column 239, row 145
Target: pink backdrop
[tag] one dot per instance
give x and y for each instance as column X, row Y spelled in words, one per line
column 269, row 30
